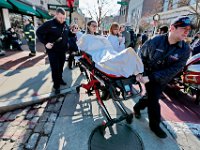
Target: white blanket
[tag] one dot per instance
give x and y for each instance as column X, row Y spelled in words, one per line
column 124, row 63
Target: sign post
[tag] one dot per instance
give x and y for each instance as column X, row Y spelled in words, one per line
column 70, row 4
column 123, row 3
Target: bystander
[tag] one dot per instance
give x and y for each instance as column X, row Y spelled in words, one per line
column 30, row 36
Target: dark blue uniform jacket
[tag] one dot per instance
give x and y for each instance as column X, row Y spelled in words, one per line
column 163, row 61
column 50, row 31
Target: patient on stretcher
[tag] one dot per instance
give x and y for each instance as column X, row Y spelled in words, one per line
column 124, row 63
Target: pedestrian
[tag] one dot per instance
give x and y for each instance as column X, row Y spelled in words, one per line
column 2, row 53
column 115, row 39
column 195, row 45
column 29, row 33
column 54, row 35
column 78, row 32
column 15, row 42
column 73, row 48
column 144, row 37
column 163, row 57
column 163, row 29
column 125, row 35
column 138, row 42
column 194, row 38
column 133, row 38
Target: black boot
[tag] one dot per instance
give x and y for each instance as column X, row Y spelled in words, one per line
column 137, row 112
column 158, row 131
column 62, row 82
column 57, row 89
column 140, row 105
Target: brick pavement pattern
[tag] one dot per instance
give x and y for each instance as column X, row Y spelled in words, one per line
column 29, row 128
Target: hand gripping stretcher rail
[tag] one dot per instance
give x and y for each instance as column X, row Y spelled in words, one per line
column 119, row 88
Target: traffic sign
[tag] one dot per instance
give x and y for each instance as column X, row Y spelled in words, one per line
column 54, row 7
column 122, row 3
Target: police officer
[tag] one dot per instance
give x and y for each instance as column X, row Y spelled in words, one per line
column 54, row 35
column 30, row 36
column 163, row 57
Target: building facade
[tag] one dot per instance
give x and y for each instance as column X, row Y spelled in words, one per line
column 77, row 15
column 142, row 11
column 175, row 8
column 135, row 13
column 13, row 11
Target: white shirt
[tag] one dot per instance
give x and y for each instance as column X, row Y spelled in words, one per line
column 78, row 35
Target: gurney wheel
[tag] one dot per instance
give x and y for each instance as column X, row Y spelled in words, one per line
column 129, row 118
column 102, row 129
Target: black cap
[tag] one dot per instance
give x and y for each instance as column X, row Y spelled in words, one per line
column 182, row 21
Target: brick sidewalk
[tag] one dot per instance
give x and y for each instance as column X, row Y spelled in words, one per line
column 29, row 128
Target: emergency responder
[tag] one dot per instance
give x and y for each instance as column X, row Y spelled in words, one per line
column 54, row 35
column 30, row 36
column 163, row 57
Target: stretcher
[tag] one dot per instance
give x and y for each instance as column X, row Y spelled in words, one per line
column 119, row 88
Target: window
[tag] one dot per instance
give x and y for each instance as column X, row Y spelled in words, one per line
column 165, row 6
column 175, row 4
column 192, row 2
column 41, row 2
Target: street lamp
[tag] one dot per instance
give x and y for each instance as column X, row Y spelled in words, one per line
column 156, row 18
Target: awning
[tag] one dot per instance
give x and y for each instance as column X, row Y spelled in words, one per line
column 24, row 8
column 43, row 14
column 5, row 4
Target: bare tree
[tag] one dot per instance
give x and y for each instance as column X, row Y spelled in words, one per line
column 100, row 9
column 193, row 9
column 157, row 7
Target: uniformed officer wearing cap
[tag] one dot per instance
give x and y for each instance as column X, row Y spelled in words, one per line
column 54, row 35
column 163, row 57
column 29, row 33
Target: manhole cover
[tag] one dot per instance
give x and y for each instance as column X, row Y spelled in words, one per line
column 117, row 137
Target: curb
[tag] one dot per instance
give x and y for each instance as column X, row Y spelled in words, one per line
column 20, row 103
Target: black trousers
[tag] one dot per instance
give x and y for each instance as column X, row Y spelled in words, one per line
column 57, row 61
column 32, row 46
column 71, row 61
column 154, row 91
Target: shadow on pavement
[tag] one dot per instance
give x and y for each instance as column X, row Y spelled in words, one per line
column 32, row 85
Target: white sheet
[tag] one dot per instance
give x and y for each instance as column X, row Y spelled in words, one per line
column 124, row 63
